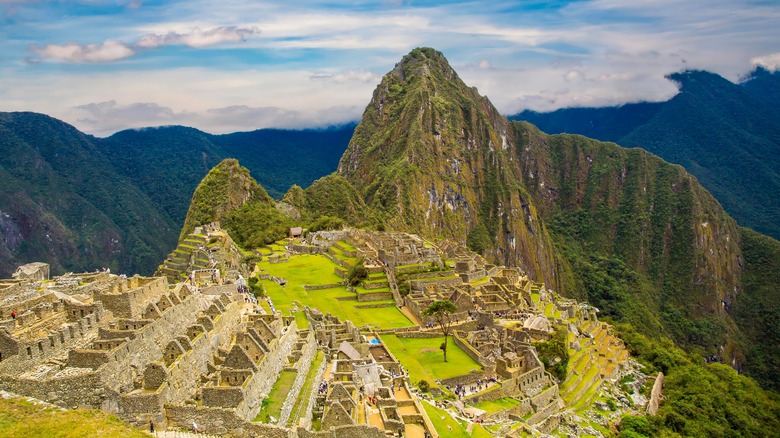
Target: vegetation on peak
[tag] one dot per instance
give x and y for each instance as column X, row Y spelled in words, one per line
column 223, row 190
column 432, row 156
column 332, row 195
column 295, row 197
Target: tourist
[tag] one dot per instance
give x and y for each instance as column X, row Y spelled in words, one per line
column 13, row 314
column 151, row 426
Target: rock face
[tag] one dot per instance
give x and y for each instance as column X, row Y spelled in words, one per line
column 432, row 156
column 620, row 227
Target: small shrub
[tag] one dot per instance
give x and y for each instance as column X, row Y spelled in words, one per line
column 424, row 385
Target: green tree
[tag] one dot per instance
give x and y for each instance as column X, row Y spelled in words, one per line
column 441, row 311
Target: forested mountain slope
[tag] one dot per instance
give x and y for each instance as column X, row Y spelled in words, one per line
column 726, row 134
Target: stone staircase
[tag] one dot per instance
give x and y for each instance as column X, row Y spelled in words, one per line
column 191, row 253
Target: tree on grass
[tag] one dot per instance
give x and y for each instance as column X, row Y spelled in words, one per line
column 441, row 311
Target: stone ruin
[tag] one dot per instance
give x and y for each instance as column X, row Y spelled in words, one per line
column 200, row 354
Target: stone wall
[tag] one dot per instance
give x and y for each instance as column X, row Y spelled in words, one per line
column 306, row 249
column 132, row 303
column 353, row 431
column 374, row 296
column 267, row 373
column 374, row 306
column 465, row 346
column 545, row 397
column 466, row 379
column 304, row 363
column 655, row 394
column 19, row 356
column 150, row 342
column 322, row 286
column 543, row 413
column 219, row 421
column 311, row 398
column 75, row 390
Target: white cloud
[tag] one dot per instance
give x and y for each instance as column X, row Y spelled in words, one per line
column 198, row 38
column 770, row 62
column 106, row 52
column 347, row 76
column 113, row 50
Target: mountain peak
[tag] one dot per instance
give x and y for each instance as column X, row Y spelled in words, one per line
column 423, row 62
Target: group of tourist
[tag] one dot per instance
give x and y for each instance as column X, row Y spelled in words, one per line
column 323, row 389
column 462, row 390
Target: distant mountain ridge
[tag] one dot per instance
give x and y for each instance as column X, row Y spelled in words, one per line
column 81, row 202
column 726, row 134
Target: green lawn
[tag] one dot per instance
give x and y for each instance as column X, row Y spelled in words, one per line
column 493, row 406
column 272, row 405
column 300, row 320
column 317, row 270
column 423, row 359
column 345, row 245
column 458, row 428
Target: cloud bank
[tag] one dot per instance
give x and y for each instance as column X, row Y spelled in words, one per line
column 113, row 50
column 315, row 63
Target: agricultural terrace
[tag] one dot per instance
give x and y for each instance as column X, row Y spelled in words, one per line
column 424, row 361
column 314, row 270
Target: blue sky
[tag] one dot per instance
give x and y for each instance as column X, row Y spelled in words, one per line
column 240, row 65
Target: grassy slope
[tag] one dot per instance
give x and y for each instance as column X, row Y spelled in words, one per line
column 22, row 419
column 272, row 405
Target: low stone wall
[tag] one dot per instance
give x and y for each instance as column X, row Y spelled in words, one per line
column 428, row 275
column 466, row 379
column 543, row 413
column 304, row 420
column 374, row 296
column 349, row 298
column 518, row 411
column 376, row 285
column 303, row 365
column 419, row 334
column 322, row 286
column 420, row 284
column 219, row 421
column 81, row 390
column 356, row 431
column 374, row 306
column 545, row 397
column 267, row 373
column 492, row 393
column 465, row 346
column 306, row 249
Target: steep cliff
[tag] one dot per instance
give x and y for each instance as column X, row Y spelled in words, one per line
column 642, row 239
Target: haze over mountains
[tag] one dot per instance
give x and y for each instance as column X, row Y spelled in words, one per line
column 634, row 235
